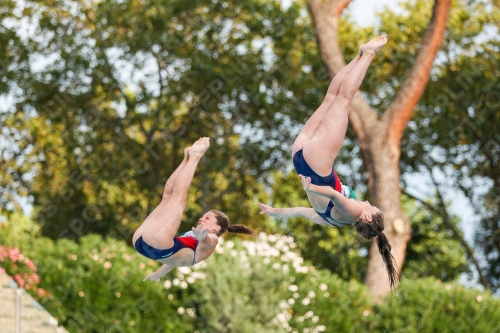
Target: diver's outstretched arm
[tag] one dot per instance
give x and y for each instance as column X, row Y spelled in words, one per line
column 308, row 213
column 156, row 276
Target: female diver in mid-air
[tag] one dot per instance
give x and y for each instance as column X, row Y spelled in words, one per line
column 156, row 237
column 314, row 152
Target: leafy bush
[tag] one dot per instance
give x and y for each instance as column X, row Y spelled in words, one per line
column 244, row 283
column 22, row 269
column 429, row 305
column 261, row 285
column 322, row 302
column 97, row 284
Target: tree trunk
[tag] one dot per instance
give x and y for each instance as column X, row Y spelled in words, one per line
column 380, row 137
column 385, row 193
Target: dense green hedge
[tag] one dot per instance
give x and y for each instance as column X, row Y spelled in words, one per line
column 258, row 285
column 428, row 305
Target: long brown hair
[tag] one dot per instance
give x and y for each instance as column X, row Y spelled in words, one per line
column 223, row 222
column 373, row 229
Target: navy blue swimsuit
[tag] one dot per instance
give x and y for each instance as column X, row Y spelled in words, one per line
column 332, row 180
column 305, row 170
column 180, row 242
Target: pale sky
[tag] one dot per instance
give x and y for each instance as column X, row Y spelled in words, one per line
column 363, row 11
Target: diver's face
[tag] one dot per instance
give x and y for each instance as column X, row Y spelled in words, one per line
column 209, row 221
column 368, row 210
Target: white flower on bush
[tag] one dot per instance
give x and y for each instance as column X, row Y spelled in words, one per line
column 184, row 270
column 251, row 248
column 282, row 318
column 242, row 257
column 198, row 275
column 274, row 252
column 289, row 256
column 323, row 287
column 191, row 312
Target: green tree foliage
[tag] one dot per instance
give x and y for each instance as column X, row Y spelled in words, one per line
column 126, row 85
column 433, row 250
column 455, row 128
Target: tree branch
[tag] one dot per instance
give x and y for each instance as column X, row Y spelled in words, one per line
column 399, row 112
column 456, row 234
column 160, row 99
column 484, row 149
column 447, row 221
column 326, row 15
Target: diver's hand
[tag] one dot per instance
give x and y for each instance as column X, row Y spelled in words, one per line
column 265, row 209
column 199, row 232
column 306, row 182
column 153, row 276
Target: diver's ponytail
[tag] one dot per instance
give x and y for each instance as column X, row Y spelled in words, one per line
column 239, row 229
column 223, row 222
column 390, row 262
column 373, row 229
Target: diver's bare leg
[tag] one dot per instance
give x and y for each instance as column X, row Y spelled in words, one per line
column 164, row 225
column 314, row 121
column 320, row 152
